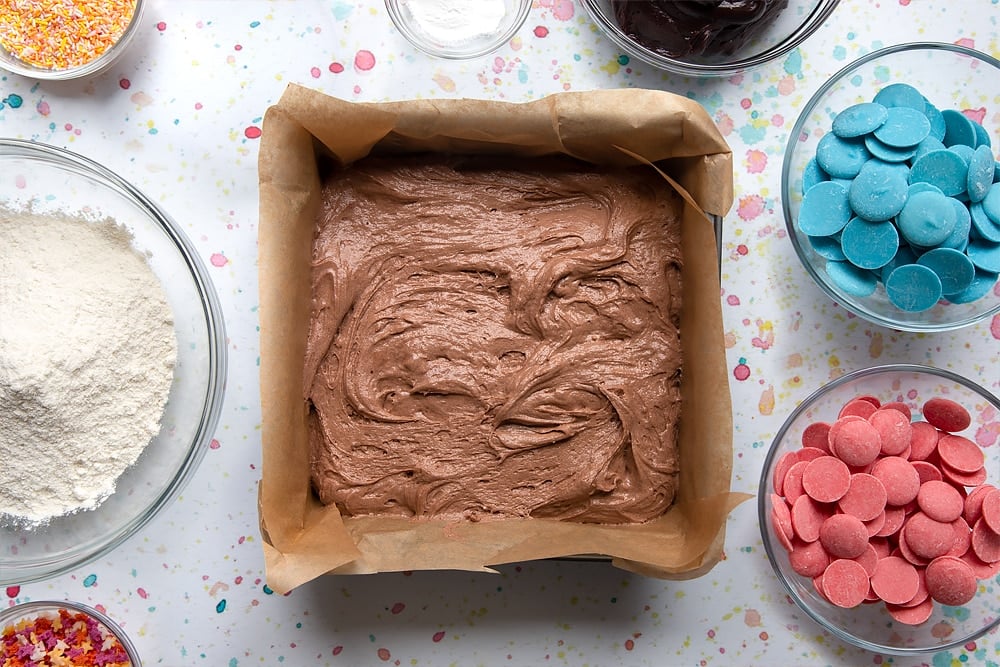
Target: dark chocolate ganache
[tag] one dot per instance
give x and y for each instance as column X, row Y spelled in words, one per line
column 686, row 28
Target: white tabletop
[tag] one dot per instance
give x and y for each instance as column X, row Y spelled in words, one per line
column 179, row 116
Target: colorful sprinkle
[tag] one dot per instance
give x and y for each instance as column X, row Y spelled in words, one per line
column 65, row 639
column 55, row 35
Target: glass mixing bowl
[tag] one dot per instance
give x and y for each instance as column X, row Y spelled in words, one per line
column 413, row 19
column 791, row 27
column 949, row 76
column 870, row 626
column 12, row 63
column 91, row 619
column 50, row 179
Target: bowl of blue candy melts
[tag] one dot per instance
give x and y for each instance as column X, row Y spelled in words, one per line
column 891, row 187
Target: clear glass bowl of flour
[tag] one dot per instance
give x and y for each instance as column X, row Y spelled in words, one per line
column 53, row 184
column 458, row 29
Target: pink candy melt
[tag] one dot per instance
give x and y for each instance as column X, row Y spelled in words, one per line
column 985, row 542
column 947, row 415
column 793, row 481
column 826, row 479
column 974, row 503
column 928, row 538
column 858, row 407
column 816, row 435
column 960, row 454
column 899, row 477
column 912, row 615
column 845, row 583
column 895, row 581
column 950, row 581
column 843, row 536
column 807, row 518
column 990, row 510
column 940, row 501
column 876, row 508
column 865, row 497
column 894, row 430
column 923, row 440
column 857, row 443
column 808, row 559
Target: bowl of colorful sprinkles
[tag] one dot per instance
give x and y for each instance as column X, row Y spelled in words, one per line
column 56, row 39
column 62, row 634
column 879, row 509
column 891, row 187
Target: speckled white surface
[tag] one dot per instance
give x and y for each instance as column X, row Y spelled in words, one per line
column 179, row 116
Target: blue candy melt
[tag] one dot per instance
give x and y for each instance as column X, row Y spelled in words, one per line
column 827, row 247
column 859, row 119
column 981, row 285
column 926, row 220
column 901, row 95
column 936, row 120
column 958, row 129
column 913, row 288
column 991, row 204
column 953, row 268
column 841, row 158
column 904, row 255
column 825, row 209
column 985, row 255
column 888, row 153
column 879, row 191
column 959, row 237
column 812, row 174
column 851, row 279
column 921, row 186
column 943, row 168
column 927, row 145
column 982, row 136
column 903, row 128
column 980, row 177
column 963, row 151
column 985, row 228
column 869, row 245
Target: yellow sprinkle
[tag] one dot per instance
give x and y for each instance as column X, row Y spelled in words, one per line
column 60, row 34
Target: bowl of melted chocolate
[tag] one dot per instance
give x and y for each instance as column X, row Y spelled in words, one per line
column 708, row 37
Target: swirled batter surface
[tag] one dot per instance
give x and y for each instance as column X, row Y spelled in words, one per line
column 494, row 340
column 682, row 28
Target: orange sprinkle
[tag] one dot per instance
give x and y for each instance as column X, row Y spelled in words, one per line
column 60, row 34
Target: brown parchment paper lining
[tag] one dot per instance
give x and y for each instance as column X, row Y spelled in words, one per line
column 303, row 538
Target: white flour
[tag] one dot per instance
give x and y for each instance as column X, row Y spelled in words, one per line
column 87, row 351
column 457, row 21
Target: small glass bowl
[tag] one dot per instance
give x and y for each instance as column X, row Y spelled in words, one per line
column 792, row 26
column 12, row 63
column 50, row 179
column 870, row 627
column 30, row 611
column 406, row 15
column 948, row 75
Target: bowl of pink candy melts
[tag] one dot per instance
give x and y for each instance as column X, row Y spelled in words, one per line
column 879, row 507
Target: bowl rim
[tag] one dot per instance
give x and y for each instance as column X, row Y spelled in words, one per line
column 95, row 66
column 763, row 495
column 813, row 22
column 393, row 7
column 843, row 300
column 47, row 567
column 22, row 609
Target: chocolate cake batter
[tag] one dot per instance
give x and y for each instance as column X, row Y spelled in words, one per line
column 685, row 28
column 495, row 340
